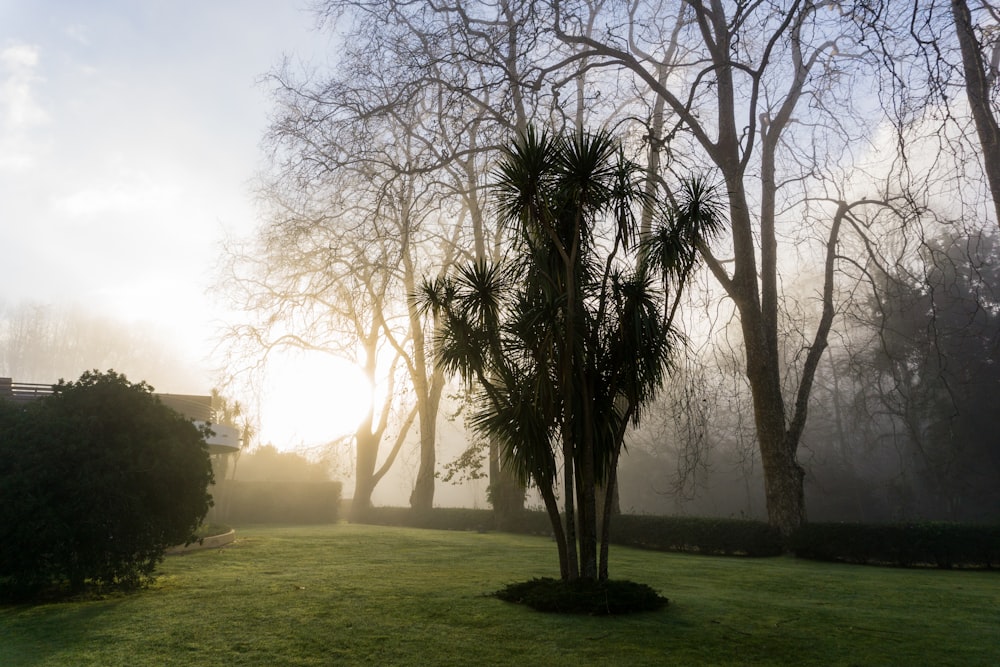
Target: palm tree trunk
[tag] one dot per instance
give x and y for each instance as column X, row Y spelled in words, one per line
column 552, row 508
column 610, row 493
column 587, row 494
column 506, row 493
column 572, row 562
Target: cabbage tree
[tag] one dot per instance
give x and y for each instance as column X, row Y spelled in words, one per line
column 569, row 337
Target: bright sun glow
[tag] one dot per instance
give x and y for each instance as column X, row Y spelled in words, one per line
column 311, row 398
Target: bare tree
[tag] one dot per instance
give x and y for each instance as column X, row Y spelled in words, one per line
column 406, row 123
column 305, row 283
column 474, row 66
column 980, row 48
column 940, row 61
column 767, row 96
column 757, row 90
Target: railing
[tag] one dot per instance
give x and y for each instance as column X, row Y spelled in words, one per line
column 191, row 406
column 23, row 392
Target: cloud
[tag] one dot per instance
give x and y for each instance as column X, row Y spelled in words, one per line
column 128, row 195
column 78, row 33
column 20, row 113
column 19, row 56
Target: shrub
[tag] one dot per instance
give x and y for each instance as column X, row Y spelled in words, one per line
column 268, row 464
column 96, row 482
column 282, row 502
column 583, row 596
column 905, row 544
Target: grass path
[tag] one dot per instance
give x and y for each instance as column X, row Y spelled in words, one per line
column 365, row 595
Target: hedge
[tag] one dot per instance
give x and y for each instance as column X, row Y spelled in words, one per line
column 905, row 544
column 455, row 518
column 924, row 544
column 280, row 502
column 728, row 537
column 663, row 533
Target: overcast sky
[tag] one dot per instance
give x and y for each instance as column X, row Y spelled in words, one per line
column 129, row 135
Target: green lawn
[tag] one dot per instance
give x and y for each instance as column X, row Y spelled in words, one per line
column 350, row 594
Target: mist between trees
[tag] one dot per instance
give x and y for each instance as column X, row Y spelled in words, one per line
column 43, row 343
column 842, row 334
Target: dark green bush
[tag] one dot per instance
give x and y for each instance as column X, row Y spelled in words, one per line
column 96, row 482
column 904, row 544
column 281, row 502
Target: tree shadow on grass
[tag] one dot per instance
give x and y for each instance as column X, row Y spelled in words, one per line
column 34, row 632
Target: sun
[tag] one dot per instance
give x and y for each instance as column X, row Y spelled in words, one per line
column 310, row 398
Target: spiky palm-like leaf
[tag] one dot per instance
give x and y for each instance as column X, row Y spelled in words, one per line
column 569, row 339
column 696, row 217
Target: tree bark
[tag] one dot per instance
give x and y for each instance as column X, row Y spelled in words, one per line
column 428, row 383
column 566, row 570
column 569, row 492
column 422, row 496
column 977, row 89
column 364, row 478
column 506, row 494
column 609, row 507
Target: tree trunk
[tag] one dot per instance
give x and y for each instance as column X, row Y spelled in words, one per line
column 569, row 491
column 609, row 507
column 364, row 484
column 422, row 497
column 506, row 494
column 977, row 89
column 783, row 476
column 786, row 508
column 552, row 509
column 586, row 486
column 428, row 383
column 588, row 517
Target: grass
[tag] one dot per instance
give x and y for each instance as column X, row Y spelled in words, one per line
column 348, row 594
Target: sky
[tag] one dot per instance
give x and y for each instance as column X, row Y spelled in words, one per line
column 130, row 134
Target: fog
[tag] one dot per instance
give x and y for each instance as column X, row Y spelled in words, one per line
column 128, row 137
column 189, row 192
column 42, row 344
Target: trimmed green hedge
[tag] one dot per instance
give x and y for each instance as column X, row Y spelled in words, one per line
column 905, row 544
column 937, row 544
column 662, row 533
column 728, row 537
column 455, row 518
column 281, row 502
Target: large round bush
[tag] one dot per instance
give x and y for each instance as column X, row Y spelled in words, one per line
column 96, row 482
